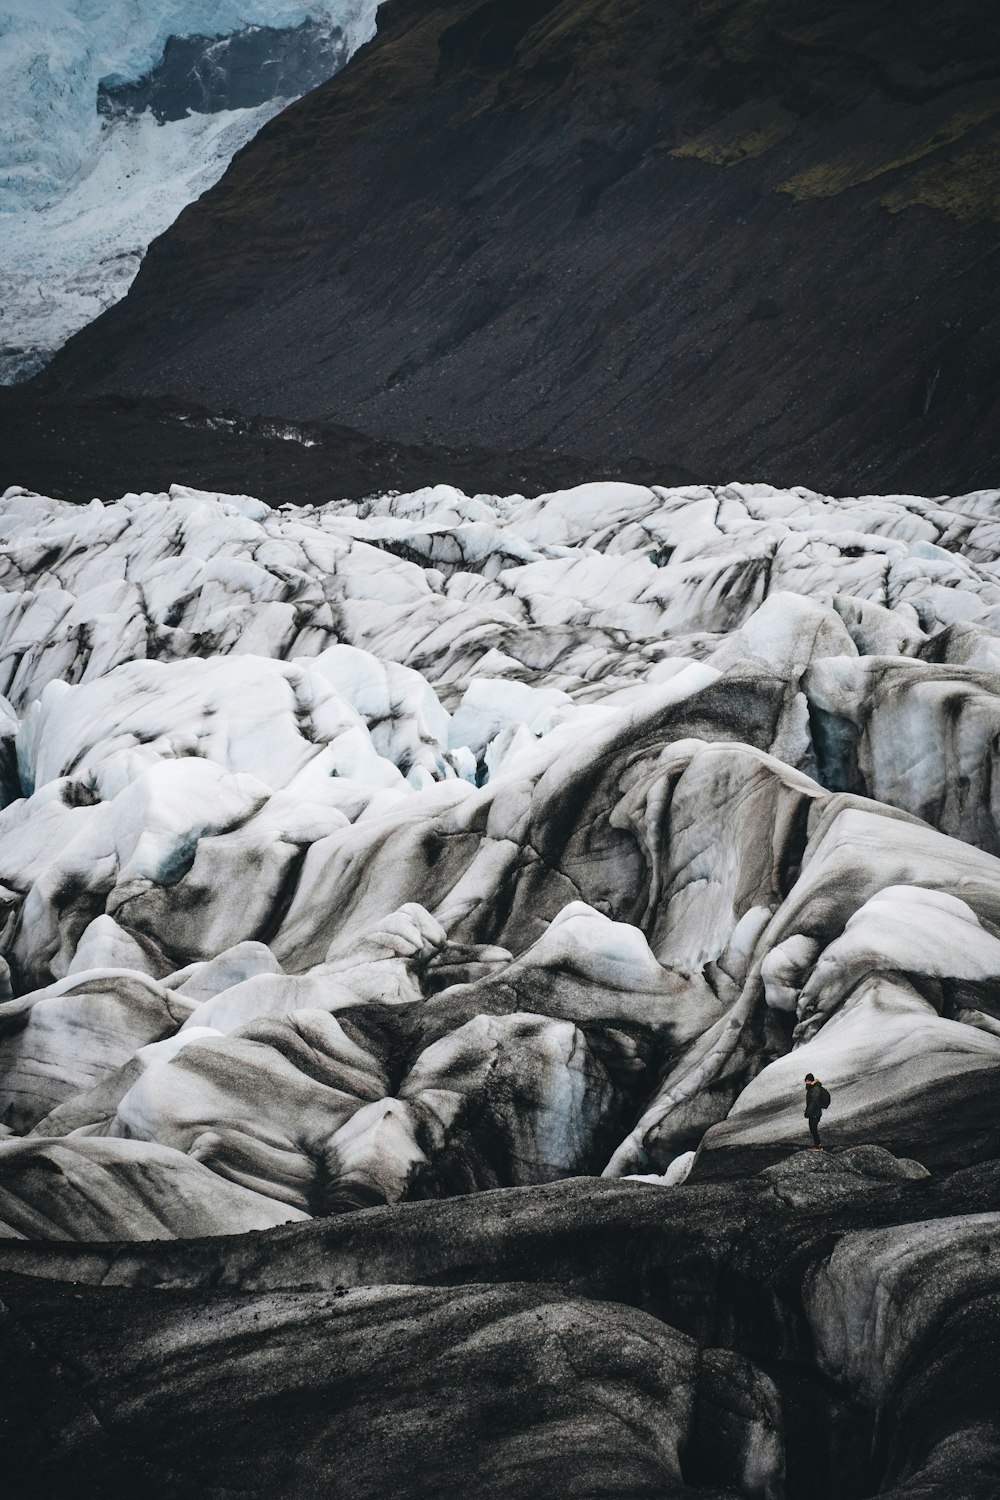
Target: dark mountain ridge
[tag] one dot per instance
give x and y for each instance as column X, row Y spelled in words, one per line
column 744, row 237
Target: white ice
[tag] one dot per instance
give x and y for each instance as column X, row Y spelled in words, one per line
column 338, row 876
column 81, row 196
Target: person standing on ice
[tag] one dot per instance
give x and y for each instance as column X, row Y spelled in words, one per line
column 817, row 1099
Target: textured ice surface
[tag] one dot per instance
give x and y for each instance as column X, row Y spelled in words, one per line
column 83, row 194
column 429, row 843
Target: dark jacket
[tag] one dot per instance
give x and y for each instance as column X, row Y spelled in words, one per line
column 814, row 1099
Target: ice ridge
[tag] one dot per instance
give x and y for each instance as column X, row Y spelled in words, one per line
column 431, row 843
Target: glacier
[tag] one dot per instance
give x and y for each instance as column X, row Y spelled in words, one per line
column 620, row 808
column 418, row 915
column 83, row 191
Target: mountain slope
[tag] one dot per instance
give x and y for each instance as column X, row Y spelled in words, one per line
column 720, row 233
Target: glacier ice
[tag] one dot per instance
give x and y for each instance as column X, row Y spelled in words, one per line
column 430, row 843
column 82, row 194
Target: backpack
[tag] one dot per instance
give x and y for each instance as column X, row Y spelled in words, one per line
column 824, row 1097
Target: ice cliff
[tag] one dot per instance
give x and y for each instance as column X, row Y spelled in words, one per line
column 117, row 116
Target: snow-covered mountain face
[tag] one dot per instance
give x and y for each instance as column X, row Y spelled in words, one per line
column 116, row 115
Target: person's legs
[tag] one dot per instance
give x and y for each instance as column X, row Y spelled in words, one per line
column 814, row 1130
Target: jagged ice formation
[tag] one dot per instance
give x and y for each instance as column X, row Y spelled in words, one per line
column 405, row 848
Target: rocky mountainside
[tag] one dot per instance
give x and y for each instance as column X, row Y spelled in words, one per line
column 419, row 915
column 740, row 236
